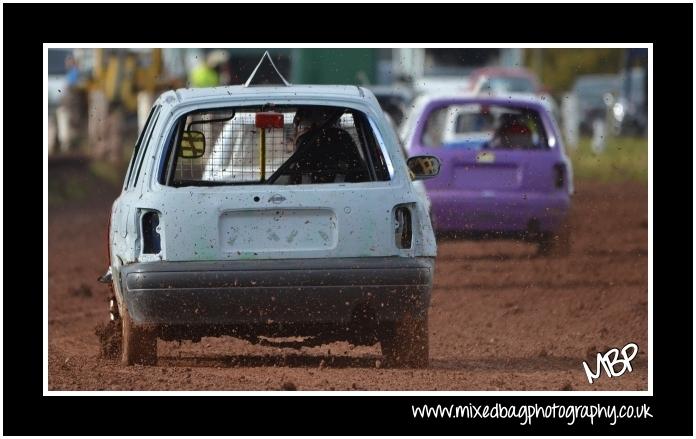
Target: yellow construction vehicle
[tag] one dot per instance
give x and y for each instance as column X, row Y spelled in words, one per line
column 122, row 73
column 123, row 82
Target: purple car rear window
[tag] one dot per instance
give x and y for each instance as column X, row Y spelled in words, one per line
column 478, row 126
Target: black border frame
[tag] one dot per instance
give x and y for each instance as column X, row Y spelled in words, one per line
column 26, row 411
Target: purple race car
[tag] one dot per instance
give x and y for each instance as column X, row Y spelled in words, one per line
column 504, row 170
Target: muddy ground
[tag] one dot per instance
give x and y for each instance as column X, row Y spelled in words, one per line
column 501, row 318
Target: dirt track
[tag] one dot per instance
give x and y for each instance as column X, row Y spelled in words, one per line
column 501, row 318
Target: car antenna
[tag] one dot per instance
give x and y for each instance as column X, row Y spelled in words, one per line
column 266, row 73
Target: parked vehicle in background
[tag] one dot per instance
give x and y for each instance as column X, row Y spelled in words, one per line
column 310, row 229
column 442, row 85
column 591, row 95
column 629, row 111
column 394, row 100
column 498, row 80
column 504, row 170
column 506, row 81
column 447, row 70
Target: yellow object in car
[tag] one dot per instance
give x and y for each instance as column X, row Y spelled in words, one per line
column 485, row 157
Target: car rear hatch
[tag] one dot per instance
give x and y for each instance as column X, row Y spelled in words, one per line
column 496, row 170
column 261, row 222
column 244, row 184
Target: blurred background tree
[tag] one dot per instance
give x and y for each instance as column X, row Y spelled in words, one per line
column 557, row 68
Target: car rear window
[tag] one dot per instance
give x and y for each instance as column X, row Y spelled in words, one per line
column 481, row 126
column 275, row 145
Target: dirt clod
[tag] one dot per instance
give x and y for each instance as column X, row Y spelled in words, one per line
column 82, row 291
column 109, row 335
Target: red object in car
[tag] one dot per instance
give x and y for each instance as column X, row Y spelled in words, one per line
column 269, row 120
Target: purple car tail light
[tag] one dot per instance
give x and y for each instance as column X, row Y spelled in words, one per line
column 560, row 175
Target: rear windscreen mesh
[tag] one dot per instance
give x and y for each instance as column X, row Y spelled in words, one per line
column 248, row 145
column 233, row 148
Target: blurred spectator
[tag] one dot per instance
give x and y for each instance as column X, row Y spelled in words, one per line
column 598, row 136
column 571, row 120
column 207, row 74
column 72, row 72
column 70, row 112
column 111, row 133
column 203, row 76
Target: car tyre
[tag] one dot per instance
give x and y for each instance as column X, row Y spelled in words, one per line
column 139, row 345
column 405, row 343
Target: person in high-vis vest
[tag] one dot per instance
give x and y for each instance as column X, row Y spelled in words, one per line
column 205, row 74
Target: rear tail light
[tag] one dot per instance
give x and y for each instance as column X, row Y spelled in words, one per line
column 403, row 232
column 151, row 236
column 559, row 175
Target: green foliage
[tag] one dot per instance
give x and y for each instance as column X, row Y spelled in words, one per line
column 80, row 180
column 558, row 68
column 625, row 158
column 107, row 172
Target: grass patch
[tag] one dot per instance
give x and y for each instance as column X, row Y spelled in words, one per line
column 107, row 172
column 66, row 190
column 624, row 159
column 79, row 180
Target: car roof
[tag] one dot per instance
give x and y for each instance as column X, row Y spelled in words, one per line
column 442, row 84
column 525, row 99
column 184, row 95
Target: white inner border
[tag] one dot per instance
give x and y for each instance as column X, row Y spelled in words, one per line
column 651, row 347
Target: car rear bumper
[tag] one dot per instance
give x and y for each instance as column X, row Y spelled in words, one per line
column 503, row 212
column 275, row 291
